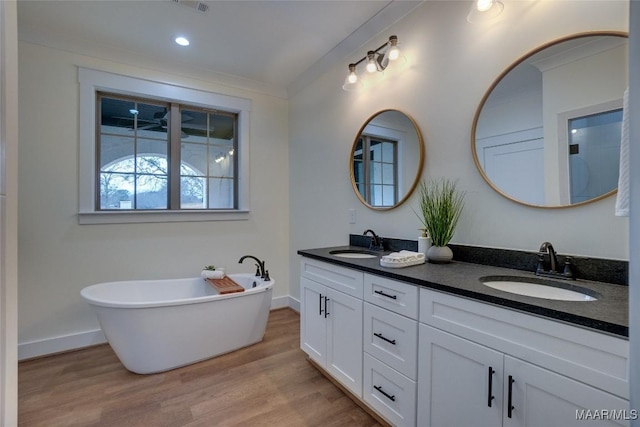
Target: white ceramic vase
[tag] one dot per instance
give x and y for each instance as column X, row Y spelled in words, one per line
column 439, row 254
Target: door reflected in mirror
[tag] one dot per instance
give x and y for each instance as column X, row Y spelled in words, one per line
column 386, row 160
column 547, row 133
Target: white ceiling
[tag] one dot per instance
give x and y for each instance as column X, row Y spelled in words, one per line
column 275, row 44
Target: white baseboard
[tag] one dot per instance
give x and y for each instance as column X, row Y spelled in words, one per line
column 54, row 345
column 294, row 304
column 48, row 346
column 286, row 301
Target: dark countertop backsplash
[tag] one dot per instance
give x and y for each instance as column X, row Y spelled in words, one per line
column 587, row 268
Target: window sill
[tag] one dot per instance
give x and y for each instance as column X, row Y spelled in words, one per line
column 131, row 217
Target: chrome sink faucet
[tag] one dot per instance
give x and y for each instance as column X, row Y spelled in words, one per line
column 547, row 248
column 376, row 241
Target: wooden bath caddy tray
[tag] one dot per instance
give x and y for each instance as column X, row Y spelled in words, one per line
column 225, row 285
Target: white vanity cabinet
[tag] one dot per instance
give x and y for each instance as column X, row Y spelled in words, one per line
column 390, row 348
column 567, row 369
column 425, row 358
column 331, row 320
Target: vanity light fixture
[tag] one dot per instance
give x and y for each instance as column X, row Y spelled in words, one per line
column 376, row 61
column 484, row 10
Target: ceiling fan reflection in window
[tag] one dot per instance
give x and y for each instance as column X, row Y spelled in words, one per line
column 159, row 122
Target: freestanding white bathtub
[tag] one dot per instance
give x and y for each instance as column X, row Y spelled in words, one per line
column 157, row 325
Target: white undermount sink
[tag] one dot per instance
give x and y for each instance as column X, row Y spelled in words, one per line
column 353, row 253
column 539, row 288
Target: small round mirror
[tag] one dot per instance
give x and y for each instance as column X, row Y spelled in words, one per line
column 386, row 159
column 547, row 132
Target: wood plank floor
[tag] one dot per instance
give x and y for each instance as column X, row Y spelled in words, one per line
column 267, row 384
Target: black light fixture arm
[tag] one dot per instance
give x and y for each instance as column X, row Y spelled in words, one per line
column 377, row 51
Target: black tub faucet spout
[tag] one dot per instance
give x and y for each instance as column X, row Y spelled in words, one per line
column 260, row 264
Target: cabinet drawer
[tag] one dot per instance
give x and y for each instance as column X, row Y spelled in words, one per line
column 391, row 338
column 594, row 358
column 339, row 278
column 390, row 393
column 401, row 298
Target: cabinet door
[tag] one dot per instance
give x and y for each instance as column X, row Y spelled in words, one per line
column 344, row 340
column 541, row 398
column 313, row 331
column 457, row 380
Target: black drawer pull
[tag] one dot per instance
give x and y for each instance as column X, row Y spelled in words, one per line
column 382, row 337
column 320, row 301
column 391, row 398
column 386, row 295
column 326, row 311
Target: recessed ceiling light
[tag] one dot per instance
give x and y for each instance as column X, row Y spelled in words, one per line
column 182, row 41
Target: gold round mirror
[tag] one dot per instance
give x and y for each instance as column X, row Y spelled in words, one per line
column 386, row 160
column 547, row 132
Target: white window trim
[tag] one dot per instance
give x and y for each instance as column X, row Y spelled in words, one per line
column 92, row 81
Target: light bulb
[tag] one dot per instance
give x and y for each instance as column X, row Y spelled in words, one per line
column 484, row 5
column 371, row 62
column 484, row 10
column 352, row 82
column 352, row 77
column 394, row 51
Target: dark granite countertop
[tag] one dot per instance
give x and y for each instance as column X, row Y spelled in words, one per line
column 609, row 313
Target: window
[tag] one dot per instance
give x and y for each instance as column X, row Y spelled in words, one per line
column 375, row 168
column 136, row 146
column 157, row 152
column 594, row 154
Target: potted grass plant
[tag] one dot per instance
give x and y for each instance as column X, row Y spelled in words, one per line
column 440, row 206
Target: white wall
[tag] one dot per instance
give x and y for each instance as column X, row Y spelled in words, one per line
column 450, row 65
column 8, row 214
column 58, row 257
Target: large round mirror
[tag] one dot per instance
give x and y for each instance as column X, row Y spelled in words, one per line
column 386, row 159
column 547, row 132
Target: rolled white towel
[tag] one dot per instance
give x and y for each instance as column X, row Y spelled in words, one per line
column 212, row 274
column 403, row 256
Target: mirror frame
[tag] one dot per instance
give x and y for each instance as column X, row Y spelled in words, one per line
column 418, row 172
column 493, row 86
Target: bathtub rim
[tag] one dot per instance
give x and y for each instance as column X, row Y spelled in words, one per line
column 85, row 293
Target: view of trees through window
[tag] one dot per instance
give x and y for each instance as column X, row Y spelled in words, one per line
column 136, row 148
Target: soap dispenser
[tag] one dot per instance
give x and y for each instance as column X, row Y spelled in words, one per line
column 424, row 241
